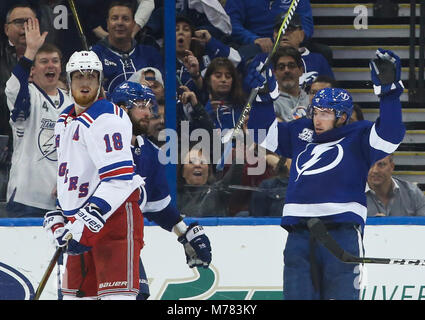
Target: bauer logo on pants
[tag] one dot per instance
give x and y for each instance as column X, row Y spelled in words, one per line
column 14, row 285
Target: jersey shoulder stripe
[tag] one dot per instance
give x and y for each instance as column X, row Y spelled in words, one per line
column 99, row 108
column 85, row 119
column 64, row 114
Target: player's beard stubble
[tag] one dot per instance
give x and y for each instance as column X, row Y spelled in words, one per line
column 84, row 100
column 139, row 127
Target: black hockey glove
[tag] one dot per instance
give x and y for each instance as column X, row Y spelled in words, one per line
column 386, row 73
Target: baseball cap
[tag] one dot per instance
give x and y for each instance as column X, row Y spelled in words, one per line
column 135, row 77
column 295, row 21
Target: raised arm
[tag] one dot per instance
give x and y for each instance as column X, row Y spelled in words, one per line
column 17, row 92
column 388, row 131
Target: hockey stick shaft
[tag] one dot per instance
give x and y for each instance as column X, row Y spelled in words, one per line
column 78, row 24
column 253, row 93
column 320, row 233
column 47, row 273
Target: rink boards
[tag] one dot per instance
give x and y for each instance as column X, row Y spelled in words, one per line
column 247, row 260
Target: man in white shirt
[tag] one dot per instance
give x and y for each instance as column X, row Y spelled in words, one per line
column 35, row 102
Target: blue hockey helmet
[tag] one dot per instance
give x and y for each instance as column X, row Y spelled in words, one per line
column 336, row 99
column 128, row 92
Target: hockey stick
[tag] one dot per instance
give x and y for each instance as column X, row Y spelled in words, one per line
column 253, row 93
column 78, row 24
column 319, row 232
column 47, row 273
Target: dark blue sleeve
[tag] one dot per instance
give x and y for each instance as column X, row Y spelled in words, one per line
column 304, row 10
column 166, row 218
column 388, row 131
column 21, row 108
column 325, row 68
column 236, row 11
column 270, row 134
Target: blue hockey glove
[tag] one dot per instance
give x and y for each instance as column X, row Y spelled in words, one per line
column 265, row 81
column 196, row 246
column 386, row 73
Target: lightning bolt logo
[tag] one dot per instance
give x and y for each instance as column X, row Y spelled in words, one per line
column 316, row 154
column 47, row 147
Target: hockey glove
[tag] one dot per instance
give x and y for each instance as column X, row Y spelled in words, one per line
column 53, row 220
column 65, row 237
column 386, row 73
column 80, row 233
column 265, row 81
column 196, row 246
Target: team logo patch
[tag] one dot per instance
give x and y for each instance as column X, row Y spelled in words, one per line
column 109, row 63
column 306, row 135
column 319, row 158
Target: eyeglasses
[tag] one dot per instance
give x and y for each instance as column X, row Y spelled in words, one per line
column 290, row 66
column 19, row 21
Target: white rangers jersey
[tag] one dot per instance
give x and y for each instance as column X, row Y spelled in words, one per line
column 33, row 115
column 95, row 163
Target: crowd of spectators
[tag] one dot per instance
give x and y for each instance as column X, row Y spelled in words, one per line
column 215, row 42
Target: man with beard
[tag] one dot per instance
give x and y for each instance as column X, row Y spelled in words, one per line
column 138, row 101
column 390, row 196
column 152, row 78
column 293, row 100
column 315, row 63
column 34, row 108
column 98, row 191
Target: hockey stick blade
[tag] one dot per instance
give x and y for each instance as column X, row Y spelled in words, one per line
column 321, row 234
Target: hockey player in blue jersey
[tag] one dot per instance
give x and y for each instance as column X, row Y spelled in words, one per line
column 328, row 174
column 138, row 101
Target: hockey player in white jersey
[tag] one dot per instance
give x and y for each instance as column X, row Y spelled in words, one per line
column 99, row 220
column 330, row 162
column 35, row 106
column 138, row 101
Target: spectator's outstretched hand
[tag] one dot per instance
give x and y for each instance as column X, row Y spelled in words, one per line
column 265, row 44
column 203, row 36
column 187, row 96
column 33, row 38
column 191, row 63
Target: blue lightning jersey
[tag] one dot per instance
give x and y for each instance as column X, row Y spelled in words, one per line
column 156, row 202
column 329, row 171
column 120, row 66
